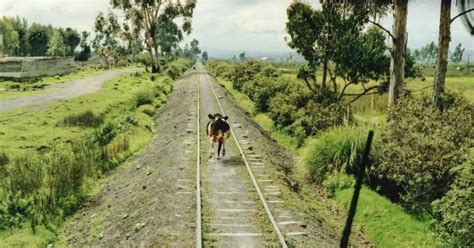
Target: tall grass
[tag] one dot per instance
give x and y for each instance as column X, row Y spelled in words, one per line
column 3, row 159
column 84, row 119
column 52, row 184
column 337, row 150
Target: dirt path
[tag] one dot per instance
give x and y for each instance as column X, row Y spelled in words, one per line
column 64, row 91
column 151, row 202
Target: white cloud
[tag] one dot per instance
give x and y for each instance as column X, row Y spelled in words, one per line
column 237, row 25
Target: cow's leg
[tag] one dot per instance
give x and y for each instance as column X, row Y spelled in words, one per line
column 223, row 149
column 211, row 149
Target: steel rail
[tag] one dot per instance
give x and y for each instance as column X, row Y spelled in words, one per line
column 277, row 230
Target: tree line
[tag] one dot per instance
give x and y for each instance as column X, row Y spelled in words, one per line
column 23, row 39
column 428, row 54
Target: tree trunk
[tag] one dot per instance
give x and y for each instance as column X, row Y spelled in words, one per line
column 325, row 72
column 155, row 62
column 443, row 47
column 397, row 64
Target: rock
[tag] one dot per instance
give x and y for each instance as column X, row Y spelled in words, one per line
column 50, row 246
column 144, row 187
column 138, row 167
column 139, row 226
column 124, row 216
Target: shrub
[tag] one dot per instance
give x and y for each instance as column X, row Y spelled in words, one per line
column 144, row 97
column 455, row 211
column 419, row 147
column 147, row 109
column 122, row 63
column 338, row 181
column 85, row 119
column 335, row 151
column 245, row 72
column 300, row 113
column 144, row 58
column 261, row 89
column 107, row 133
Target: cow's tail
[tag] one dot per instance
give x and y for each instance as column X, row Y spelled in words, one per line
column 219, row 148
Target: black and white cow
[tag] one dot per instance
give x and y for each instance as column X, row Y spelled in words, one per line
column 218, row 131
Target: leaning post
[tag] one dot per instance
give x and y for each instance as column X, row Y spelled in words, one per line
column 355, row 198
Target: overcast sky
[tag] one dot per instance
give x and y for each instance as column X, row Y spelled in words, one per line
column 232, row 25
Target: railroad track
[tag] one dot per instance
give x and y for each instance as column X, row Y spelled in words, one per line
column 231, row 207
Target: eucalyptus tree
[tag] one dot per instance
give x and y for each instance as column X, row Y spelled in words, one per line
column 144, row 16
column 168, row 35
column 444, row 37
column 399, row 37
column 457, row 54
column 11, row 40
column 336, row 34
column 71, row 40
column 38, row 37
column 56, row 46
column 106, row 42
column 85, row 52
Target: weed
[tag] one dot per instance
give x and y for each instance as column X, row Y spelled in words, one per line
column 85, row 119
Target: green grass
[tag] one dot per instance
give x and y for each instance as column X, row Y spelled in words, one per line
column 25, row 237
column 386, row 224
column 25, row 131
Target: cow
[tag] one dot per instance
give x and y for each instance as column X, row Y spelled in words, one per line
column 218, row 131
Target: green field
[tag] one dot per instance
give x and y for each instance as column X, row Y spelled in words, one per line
column 27, row 132
column 36, row 130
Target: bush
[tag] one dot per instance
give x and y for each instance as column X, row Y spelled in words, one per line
column 300, row 113
column 85, row 119
column 147, row 109
column 338, row 181
column 107, row 132
column 144, row 97
column 420, row 146
column 144, row 58
column 122, row 63
column 176, row 68
column 455, row 210
column 247, row 71
column 338, row 150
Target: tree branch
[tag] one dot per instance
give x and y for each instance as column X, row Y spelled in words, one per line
column 362, row 93
column 343, row 90
column 461, row 14
column 308, row 84
column 384, row 29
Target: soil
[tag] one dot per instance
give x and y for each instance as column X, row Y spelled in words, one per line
column 64, row 91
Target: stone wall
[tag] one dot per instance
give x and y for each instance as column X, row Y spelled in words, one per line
column 32, row 67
